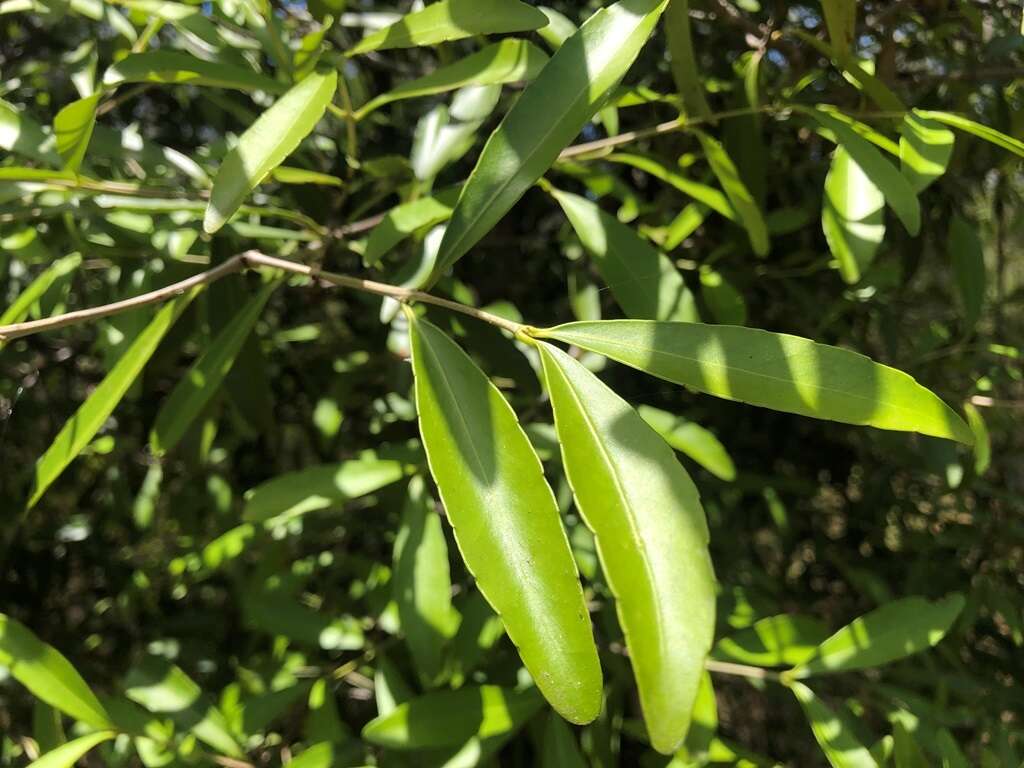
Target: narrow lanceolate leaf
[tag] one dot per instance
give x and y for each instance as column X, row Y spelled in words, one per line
column 841, row 20
column 509, row 61
column 702, row 193
column 967, row 125
column 833, row 732
column 67, row 755
column 692, row 439
column 86, row 422
column 450, row 718
column 747, row 210
column 684, row 59
column 73, row 128
column 201, row 383
column 925, row 149
column 48, row 675
column 776, row 641
column 453, row 20
column 549, row 114
column 265, row 145
column 968, row 255
column 180, row 68
column 895, row 630
column 652, row 539
column 422, row 582
column 852, row 216
column 899, row 194
column 405, row 219
column 20, row 307
column 643, row 281
column 771, row 370
column 877, row 90
column 506, row 521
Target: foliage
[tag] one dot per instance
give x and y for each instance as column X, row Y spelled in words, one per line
column 479, row 382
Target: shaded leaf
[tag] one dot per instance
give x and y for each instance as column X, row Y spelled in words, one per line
column 962, row 123
column 684, row 59
column 66, row 755
column 22, row 135
column 968, row 256
column 21, row 306
column 560, row 749
column 833, row 732
column 73, row 127
column 925, row 149
column 169, row 67
column 747, row 210
column 403, row 220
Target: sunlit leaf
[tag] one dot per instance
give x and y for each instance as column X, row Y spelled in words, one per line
column 168, row 67
column 22, row 135
column 852, row 216
column 403, row 220
column 747, row 211
column 692, row 439
column 776, row 641
column 21, row 306
column 962, row 123
column 73, row 127
column 833, row 732
column 925, row 149
column 67, row 755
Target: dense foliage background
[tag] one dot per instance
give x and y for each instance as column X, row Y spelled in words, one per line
column 293, row 630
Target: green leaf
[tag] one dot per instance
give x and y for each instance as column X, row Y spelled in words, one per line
column 22, row 135
column 652, row 539
column 692, row 439
column 275, row 612
column 833, row 732
column 168, row 67
column 285, row 175
column 403, row 220
column 725, row 303
column 505, row 520
column 194, row 390
column 841, row 20
column 163, row 688
column 643, row 281
column 265, row 145
column 889, row 633
column 771, row 370
column 559, row 745
column 684, row 59
column 982, row 441
column 422, row 583
column 962, row 123
column 925, row 150
column 558, row 29
column 776, row 641
column 702, row 193
column 705, row 721
column 317, row 756
column 549, row 114
column 48, row 675
column 73, row 128
column 747, row 210
column 321, row 487
column 852, row 216
column 47, row 726
column 899, row 194
column 450, row 718
column 452, row 20
column 21, row 306
column 968, row 255
column 83, row 426
column 876, row 90
column 66, row 755
column 906, row 752
column 509, row 61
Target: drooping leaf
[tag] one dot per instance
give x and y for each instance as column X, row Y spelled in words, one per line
column 83, row 426
column 321, row 487
column 967, row 125
column 833, row 732
column 651, row 535
column 889, row 633
column 450, row 718
column 684, row 59
column 747, row 210
column 21, row 306
column 422, row 582
column 784, row 640
column 856, row 73
column 402, row 220
column 73, row 127
column 549, row 114
column 265, row 145
column 692, row 439
column 925, row 149
column 452, row 20
column 202, row 381
column 169, row 67
column 643, row 281
column 508, row 61
column 898, row 192
column 48, row 675
column 771, row 370
column 852, row 216
column 505, row 520
column 67, row 755
column 968, row 256
column 702, row 193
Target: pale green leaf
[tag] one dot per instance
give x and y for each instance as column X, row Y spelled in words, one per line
column 549, row 114
column 317, row 756
column 508, row 61
column 167, row 67
column 833, row 732
column 684, row 59
column 286, row 175
column 21, row 306
column 643, row 281
column 22, row 135
column 452, row 20
column 713, row 198
column 266, row 143
column 776, row 641
column 194, row 390
column 925, row 149
column 852, row 216
column 889, row 633
column 405, row 219
column 692, row 439
column 73, row 127
column 968, row 256
column 66, row 755
column 47, row 674
column 558, row 29
column 451, row 718
column 652, row 539
column 962, row 123
column 747, row 211
column 90, row 417
column 771, row 370
column 505, row 520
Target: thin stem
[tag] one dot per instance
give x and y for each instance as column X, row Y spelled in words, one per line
column 740, row 670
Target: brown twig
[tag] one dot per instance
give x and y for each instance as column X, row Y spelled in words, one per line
column 741, row 670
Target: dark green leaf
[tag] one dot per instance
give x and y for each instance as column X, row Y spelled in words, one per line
column 179, row 68
column 968, row 256
column 833, row 732
column 925, row 149
column 747, row 210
